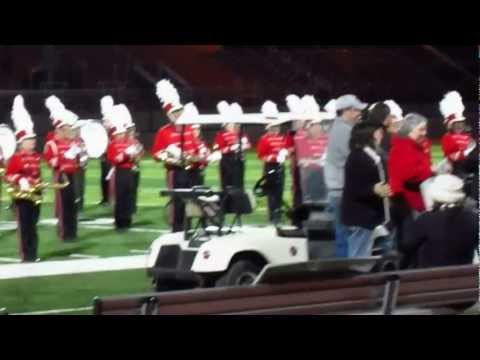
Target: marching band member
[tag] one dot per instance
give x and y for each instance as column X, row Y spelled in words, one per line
column 83, row 158
column 201, row 154
column 172, row 143
column 196, row 153
column 232, row 164
column 23, row 171
column 132, row 136
column 457, row 140
column 311, row 149
column 272, row 150
column 106, row 104
column 54, row 102
column 123, row 153
column 63, row 156
column 3, row 164
column 295, row 107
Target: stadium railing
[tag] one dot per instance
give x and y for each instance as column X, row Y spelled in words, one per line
column 447, row 290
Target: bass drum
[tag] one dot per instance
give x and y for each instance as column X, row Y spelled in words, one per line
column 8, row 142
column 95, row 138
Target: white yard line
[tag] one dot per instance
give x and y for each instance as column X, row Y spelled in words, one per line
column 84, row 256
column 103, row 224
column 55, row 311
column 132, row 229
column 66, row 267
column 8, row 225
column 135, row 251
column 7, row 259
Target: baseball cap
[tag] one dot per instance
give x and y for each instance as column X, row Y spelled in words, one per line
column 350, row 101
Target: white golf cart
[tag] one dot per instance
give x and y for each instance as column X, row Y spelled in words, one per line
column 212, row 253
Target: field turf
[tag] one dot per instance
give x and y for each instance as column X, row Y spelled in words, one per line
column 100, row 239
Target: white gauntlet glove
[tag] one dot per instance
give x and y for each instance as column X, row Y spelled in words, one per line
column 73, row 152
column 235, row 147
column 83, row 160
column 24, row 184
column 131, row 150
column 69, row 154
column 282, row 156
column 162, row 155
column 174, row 151
column 215, row 156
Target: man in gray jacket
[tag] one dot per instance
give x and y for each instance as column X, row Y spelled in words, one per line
column 349, row 109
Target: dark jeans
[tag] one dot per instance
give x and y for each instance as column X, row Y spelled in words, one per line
column 341, row 231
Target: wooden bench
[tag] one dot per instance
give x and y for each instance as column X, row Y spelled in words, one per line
column 385, row 293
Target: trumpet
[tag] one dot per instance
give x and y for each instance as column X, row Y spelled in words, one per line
column 191, row 160
column 34, row 194
column 185, row 160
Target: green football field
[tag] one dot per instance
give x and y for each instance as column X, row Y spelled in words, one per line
column 73, row 294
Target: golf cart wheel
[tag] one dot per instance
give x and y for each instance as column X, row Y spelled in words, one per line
column 241, row 273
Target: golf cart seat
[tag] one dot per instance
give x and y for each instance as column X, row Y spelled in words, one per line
column 316, row 220
column 319, row 224
column 238, row 202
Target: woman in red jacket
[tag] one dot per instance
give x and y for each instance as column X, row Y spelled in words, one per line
column 408, row 166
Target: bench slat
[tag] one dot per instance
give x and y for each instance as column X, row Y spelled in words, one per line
column 363, row 292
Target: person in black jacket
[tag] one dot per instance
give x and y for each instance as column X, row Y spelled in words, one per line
column 448, row 234
column 362, row 207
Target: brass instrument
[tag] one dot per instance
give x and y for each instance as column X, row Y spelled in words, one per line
column 185, row 162
column 191, row 160
column 34, row 194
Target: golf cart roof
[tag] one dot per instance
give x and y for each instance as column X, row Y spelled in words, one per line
column 246, row 119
